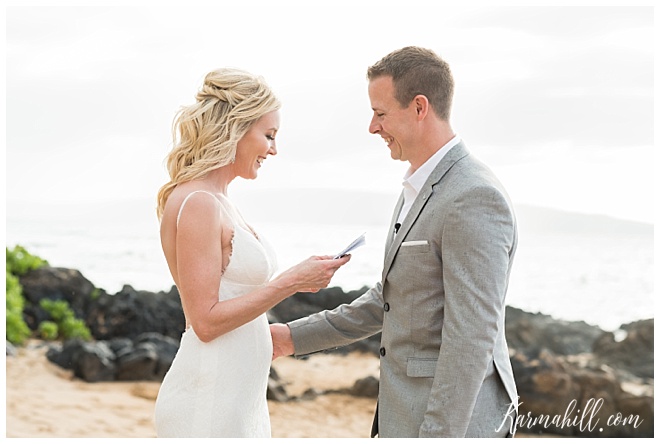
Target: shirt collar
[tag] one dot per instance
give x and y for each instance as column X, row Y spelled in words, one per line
column 418, row 178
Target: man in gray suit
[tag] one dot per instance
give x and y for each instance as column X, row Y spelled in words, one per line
column 444, row 367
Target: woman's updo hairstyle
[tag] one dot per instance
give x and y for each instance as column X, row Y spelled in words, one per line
column 207, row 132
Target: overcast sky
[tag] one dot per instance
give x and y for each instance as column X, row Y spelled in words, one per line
column 558, row 100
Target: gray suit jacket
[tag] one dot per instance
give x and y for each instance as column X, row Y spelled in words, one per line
column 445, row 368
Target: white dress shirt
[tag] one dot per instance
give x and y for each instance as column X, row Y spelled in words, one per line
column 413, row 181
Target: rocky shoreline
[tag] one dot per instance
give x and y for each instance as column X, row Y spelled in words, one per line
column 573, row 379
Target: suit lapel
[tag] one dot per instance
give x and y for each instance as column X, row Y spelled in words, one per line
column 456, row 153
column 395, row 216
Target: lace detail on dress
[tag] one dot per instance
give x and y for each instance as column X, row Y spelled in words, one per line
column 231, row 251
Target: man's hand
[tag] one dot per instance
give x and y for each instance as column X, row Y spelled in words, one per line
column 282, row 340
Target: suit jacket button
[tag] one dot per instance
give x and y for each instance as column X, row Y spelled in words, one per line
column 382, row 351
column 386, row 307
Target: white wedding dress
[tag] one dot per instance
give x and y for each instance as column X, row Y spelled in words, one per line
column 218, row 389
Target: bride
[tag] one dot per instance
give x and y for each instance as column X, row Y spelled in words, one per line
column 222, row 267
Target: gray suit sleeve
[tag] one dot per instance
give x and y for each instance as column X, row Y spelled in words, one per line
column 476, row 246
column 341, row 326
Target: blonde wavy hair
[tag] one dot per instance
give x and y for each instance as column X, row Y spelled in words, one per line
column 206, row 133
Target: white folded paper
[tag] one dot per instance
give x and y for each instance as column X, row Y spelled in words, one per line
column 352, row 246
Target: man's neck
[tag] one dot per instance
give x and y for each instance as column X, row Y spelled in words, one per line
column 435, row 139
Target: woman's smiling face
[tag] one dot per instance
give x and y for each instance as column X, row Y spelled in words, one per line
column 255, row 146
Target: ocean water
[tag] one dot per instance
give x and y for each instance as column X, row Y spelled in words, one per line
column 568, row 266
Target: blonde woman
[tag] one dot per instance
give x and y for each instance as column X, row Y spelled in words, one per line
column 222, row 267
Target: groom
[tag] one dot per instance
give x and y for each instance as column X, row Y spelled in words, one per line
column 444, row 363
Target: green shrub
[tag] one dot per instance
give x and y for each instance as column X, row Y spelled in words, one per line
column 15, row 300
column 48, row 330
column 64, row 323
column 68, row 326
column 17, row 330
column 58, row 310
column 19, row 261
column 74, row 328
column 95, row 294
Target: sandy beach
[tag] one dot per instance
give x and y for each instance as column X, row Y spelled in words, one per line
column 46, row 401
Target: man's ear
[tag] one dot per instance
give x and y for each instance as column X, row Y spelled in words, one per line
column 421, row 104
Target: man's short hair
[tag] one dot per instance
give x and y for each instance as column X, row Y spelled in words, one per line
column 416, row 71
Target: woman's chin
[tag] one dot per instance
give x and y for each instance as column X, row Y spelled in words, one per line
column 250, row 176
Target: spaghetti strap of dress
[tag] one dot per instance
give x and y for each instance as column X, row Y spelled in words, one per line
column 183, row 204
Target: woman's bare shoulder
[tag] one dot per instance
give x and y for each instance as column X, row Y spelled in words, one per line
column 190, row 200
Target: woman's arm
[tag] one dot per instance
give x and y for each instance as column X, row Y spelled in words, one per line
column 199, row 256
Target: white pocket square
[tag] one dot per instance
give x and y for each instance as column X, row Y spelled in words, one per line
column 413, row 243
